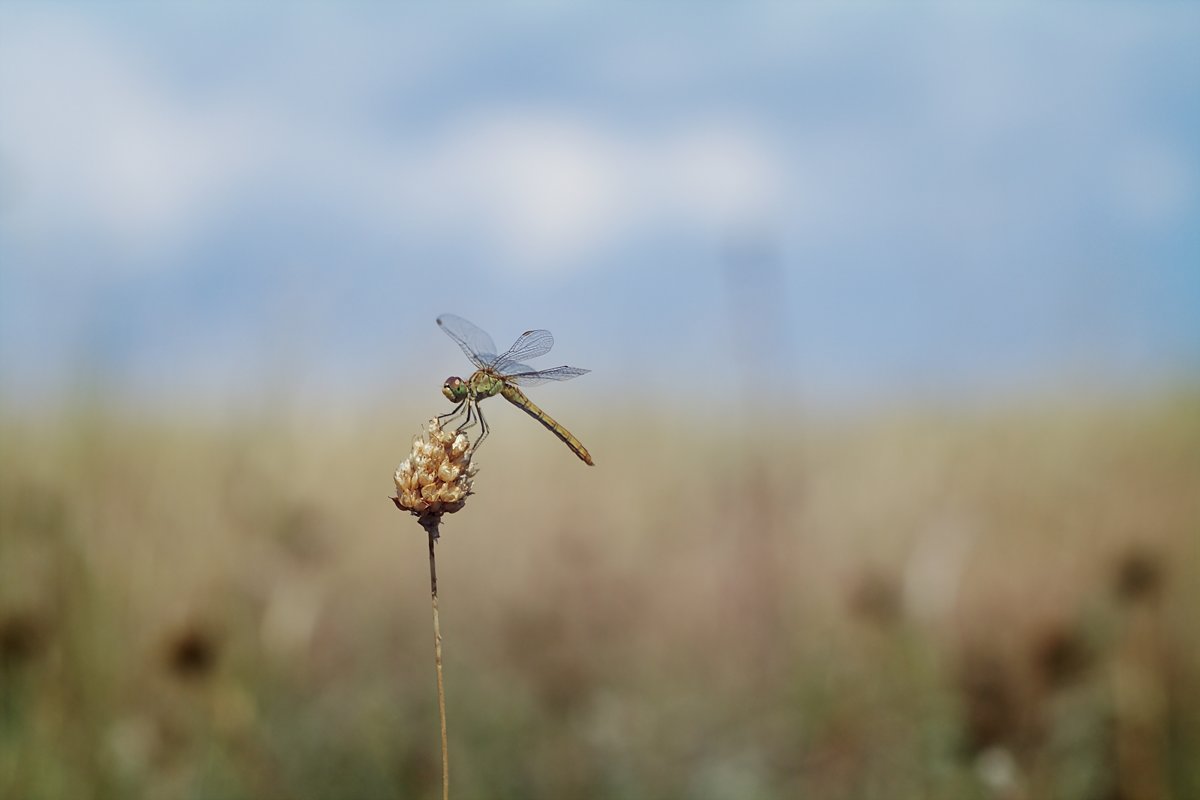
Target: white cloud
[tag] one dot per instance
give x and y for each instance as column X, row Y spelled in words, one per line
column 96, row 149
column 105, row 150
column 543, row 187
column 722, row 173
column 548, row 188
column 98, row 145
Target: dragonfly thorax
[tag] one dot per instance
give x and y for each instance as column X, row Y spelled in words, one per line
column 480, row 385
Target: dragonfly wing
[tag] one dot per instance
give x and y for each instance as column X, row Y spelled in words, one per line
column 529, row 344
column 477, row 345
column 533, row 378
column 513, row 368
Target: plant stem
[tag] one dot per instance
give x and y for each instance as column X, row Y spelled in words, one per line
column 431, row 527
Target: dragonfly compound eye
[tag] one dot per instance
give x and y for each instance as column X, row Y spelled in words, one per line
column 454, row 389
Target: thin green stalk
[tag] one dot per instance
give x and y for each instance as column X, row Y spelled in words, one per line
column 431, row 527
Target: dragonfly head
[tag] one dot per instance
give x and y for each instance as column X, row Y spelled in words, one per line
column 455, row 389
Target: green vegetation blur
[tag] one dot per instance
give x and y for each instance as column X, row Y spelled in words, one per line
column 989, row 604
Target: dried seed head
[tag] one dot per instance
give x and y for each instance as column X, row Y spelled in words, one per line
column 436, row 477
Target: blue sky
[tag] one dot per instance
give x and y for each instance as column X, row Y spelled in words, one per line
column 864, row 204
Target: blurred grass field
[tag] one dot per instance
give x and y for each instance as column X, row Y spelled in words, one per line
column 919, row 605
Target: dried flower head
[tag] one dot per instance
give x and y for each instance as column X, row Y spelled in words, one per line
column 436, row 477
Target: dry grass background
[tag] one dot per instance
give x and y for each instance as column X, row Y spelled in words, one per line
column 989, row 604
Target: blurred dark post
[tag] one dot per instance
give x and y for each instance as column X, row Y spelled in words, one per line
column 759, row 337
column 763, row 365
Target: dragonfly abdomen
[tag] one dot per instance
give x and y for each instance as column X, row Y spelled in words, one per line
column 518, row 398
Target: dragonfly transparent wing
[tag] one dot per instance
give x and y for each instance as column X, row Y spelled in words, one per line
column 477, row 345
column 534, row 377
column 529, row 344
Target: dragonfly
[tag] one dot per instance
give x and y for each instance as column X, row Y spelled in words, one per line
column 503, row 375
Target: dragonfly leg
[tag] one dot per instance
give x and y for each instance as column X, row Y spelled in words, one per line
column 484, row 430
column 470, row 420
column 451, row 414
